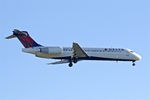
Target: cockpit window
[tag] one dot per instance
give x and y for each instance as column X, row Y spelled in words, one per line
column 131, row 51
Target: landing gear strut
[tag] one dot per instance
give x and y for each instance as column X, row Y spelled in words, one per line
column 133, row 63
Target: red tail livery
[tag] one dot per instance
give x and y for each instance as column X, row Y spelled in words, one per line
column 24, row 38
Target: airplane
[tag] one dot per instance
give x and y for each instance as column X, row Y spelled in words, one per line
column 73, row 54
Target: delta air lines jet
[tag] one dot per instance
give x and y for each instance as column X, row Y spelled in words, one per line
column 73, row 54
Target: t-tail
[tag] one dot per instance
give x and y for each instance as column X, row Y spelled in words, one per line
column 24, row 38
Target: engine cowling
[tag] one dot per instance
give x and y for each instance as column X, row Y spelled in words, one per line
column 51, row 50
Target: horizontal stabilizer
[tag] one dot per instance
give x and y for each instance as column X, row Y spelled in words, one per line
column 10, row 37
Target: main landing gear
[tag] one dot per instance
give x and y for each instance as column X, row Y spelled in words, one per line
column 70, row 64
column 72, row 60
column 133, row 63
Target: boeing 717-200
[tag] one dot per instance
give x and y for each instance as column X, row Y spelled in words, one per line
column 73, row 54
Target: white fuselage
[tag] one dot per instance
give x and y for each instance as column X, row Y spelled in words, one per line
column 115, row 54
column 75, row 53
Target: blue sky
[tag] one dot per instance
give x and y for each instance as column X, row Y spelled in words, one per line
column 91, row 23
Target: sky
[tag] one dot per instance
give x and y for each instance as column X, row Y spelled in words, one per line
column 91, row 23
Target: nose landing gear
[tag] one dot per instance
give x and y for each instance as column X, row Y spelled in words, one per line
column 133, row 63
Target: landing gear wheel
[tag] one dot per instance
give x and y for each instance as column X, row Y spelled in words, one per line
column 133, row 63
column 70, row 64
column 75, row 60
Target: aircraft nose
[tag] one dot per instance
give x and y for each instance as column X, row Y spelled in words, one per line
column 137, row 57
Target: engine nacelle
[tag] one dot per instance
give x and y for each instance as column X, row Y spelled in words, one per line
column 51, row 50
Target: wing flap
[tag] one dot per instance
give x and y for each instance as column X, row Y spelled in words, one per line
column 59, row 62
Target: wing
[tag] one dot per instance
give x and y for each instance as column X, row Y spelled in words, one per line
column 59, row 62
column 77, row 51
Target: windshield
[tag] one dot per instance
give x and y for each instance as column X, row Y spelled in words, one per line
column 132, row 51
